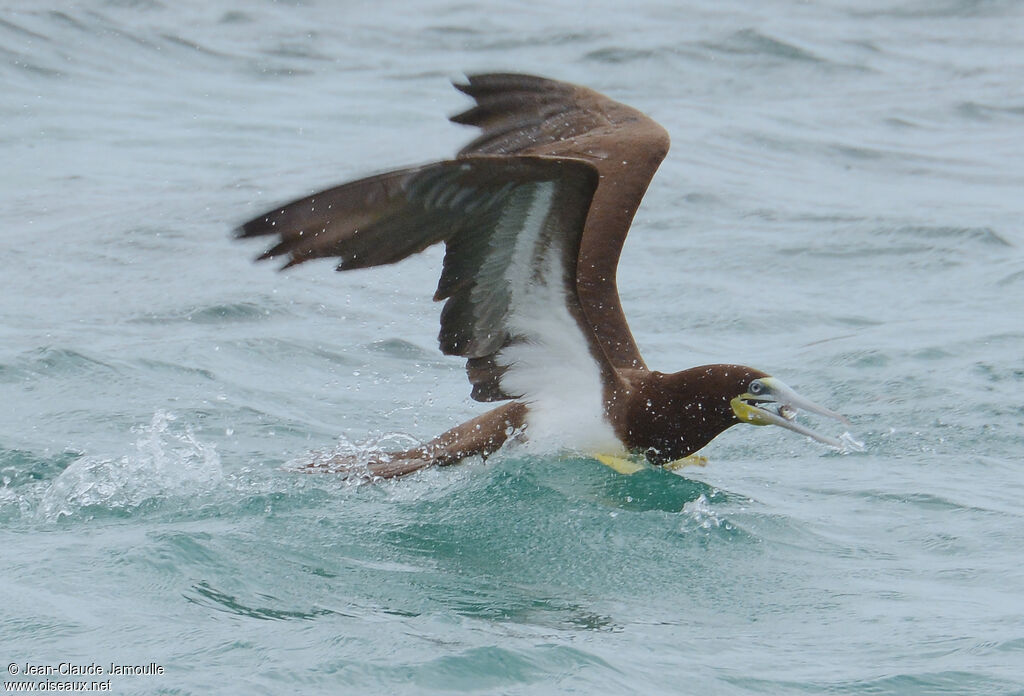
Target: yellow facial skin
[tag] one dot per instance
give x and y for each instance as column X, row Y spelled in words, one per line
column 773, row 391
column 748, row 413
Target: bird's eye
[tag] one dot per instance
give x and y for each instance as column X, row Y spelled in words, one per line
column 756, row 387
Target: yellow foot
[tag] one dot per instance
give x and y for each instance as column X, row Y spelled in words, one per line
column 692, row 460
column 621, row 464
column 633, row 464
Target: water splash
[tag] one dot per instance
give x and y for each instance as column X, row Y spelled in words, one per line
column 700, row 512
column 850, row 443
column 353, row 457
column 168, row 462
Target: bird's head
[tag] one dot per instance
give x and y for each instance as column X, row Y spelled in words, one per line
column 677, row 414
column 763, row 400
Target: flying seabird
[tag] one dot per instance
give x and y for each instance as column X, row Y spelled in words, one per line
column 533, row 214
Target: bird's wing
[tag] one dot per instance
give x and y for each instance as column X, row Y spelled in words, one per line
column 512, row 229
column 522, row 114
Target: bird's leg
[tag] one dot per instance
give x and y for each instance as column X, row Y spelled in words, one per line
column 622, row 465
column 632, row 464
column 482, row 436
column 689, row 460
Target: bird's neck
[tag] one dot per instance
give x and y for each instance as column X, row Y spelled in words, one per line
column 670, row 416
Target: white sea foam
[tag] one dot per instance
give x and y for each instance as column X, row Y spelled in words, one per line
column 352, row 455
column 850, row 444
column 701, row 513
column 167, row 462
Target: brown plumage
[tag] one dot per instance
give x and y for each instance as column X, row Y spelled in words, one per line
column 533, row 214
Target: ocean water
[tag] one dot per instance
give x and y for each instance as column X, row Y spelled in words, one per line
column 842, row 208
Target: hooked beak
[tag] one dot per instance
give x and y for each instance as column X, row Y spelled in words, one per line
column 748, row 408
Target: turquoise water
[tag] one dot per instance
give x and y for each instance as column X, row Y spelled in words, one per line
column 842, row 208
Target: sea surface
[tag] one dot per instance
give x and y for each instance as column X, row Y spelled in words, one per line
column 843, row 207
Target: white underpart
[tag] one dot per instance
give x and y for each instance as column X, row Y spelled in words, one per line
column 552, row 367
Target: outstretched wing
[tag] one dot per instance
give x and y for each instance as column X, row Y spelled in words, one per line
column 522, row 114
column 512, row 228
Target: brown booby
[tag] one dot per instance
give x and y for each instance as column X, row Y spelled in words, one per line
column 533, row 214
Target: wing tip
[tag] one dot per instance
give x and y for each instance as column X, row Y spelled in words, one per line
column 476, row 84
column 463, row 84
column 280, row 249
column 257, row 227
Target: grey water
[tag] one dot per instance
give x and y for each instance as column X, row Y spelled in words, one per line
column 842, row 208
